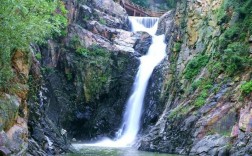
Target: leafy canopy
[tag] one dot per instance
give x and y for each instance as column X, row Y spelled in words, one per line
column 27, row 21
column 23, row 22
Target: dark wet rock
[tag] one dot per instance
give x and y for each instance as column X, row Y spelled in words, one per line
column 165, row 24
column 35, row 148
column 174, row 136
column 75, row 96
column 152, row 105
column 210, row 145
column 242, row 146
column 4, row 151
column 143, row 43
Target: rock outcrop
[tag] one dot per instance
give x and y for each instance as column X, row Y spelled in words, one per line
column 84, row 79
column 13, row 108
column 205, row 111
column 74, row 87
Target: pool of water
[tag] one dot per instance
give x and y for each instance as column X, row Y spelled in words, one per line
column 106, row 151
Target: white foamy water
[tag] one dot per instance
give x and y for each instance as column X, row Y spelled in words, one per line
column 126, row 136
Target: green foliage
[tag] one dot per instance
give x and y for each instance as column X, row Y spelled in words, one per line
column 29, row 21
column 102, row 21
column 204, row 87
column 246, row 88
column 179, row 111
column 245, row 8
column 34, row 87
column 98, row 70
column 8, row 112
column 82, row 51
column 69, row 76
column 235, row 57
column 195, row 65
column 93, row 51
column 23, row 22
column 38, row 56
column 171, row 3
column 177, row 47
column 238, row 31
column 48, row 70
column 97, row 80
column 142, row 3
column 75, row 42
column 233, row 46
column 229, row 36
column 200, row 101
column 195, row 85
column 86, row 18
column 5, row 77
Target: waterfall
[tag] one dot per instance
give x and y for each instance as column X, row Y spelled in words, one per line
column 156, row 53
column 147, row 22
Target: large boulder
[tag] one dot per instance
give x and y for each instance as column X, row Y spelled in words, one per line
column 105, row 12
column 143, row 43
column 211, row 145
column 110, row 7
column 166, row 23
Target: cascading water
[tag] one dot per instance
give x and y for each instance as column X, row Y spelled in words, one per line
column 146, row 22
column 156, row 53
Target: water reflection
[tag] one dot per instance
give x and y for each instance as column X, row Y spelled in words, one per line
column 102, row 151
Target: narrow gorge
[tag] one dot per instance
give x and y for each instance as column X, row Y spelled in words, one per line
column 83, row 77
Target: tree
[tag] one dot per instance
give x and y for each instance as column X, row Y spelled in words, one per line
column 171, row 3
column 143, row 3
column 23, row 22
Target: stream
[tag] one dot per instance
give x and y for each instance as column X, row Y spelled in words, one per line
column 107, row 151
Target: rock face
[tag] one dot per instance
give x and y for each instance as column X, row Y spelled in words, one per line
column 106, row 12
column 84, row 79
column 143, row 43
column 13, row 108
column 195, row 103
column 200, row 99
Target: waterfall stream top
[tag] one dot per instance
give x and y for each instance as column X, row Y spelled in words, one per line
column 127, row 134
column 146, row 24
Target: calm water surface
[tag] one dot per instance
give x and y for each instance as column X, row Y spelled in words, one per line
column 102, row 151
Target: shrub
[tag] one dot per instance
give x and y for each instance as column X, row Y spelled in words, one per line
column 204, row 86
column 171, row 3
column 195, row 85
column 23, row 22
column 215, row 68
column 229, row 36
column 177, row 47
column 199, row 102
column 102, row 21
column 194, row 66
column 75, row 42
column 38, row 56
column 235, row 57
column 246, row 88
column 83, row 51
column 142, row 3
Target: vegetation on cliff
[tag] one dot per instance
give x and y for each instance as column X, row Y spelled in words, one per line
column 207, row 88
column 24, row 22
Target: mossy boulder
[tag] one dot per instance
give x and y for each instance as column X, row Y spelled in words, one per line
column 8, row 111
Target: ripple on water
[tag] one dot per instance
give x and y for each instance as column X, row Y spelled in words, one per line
column 105, row 151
